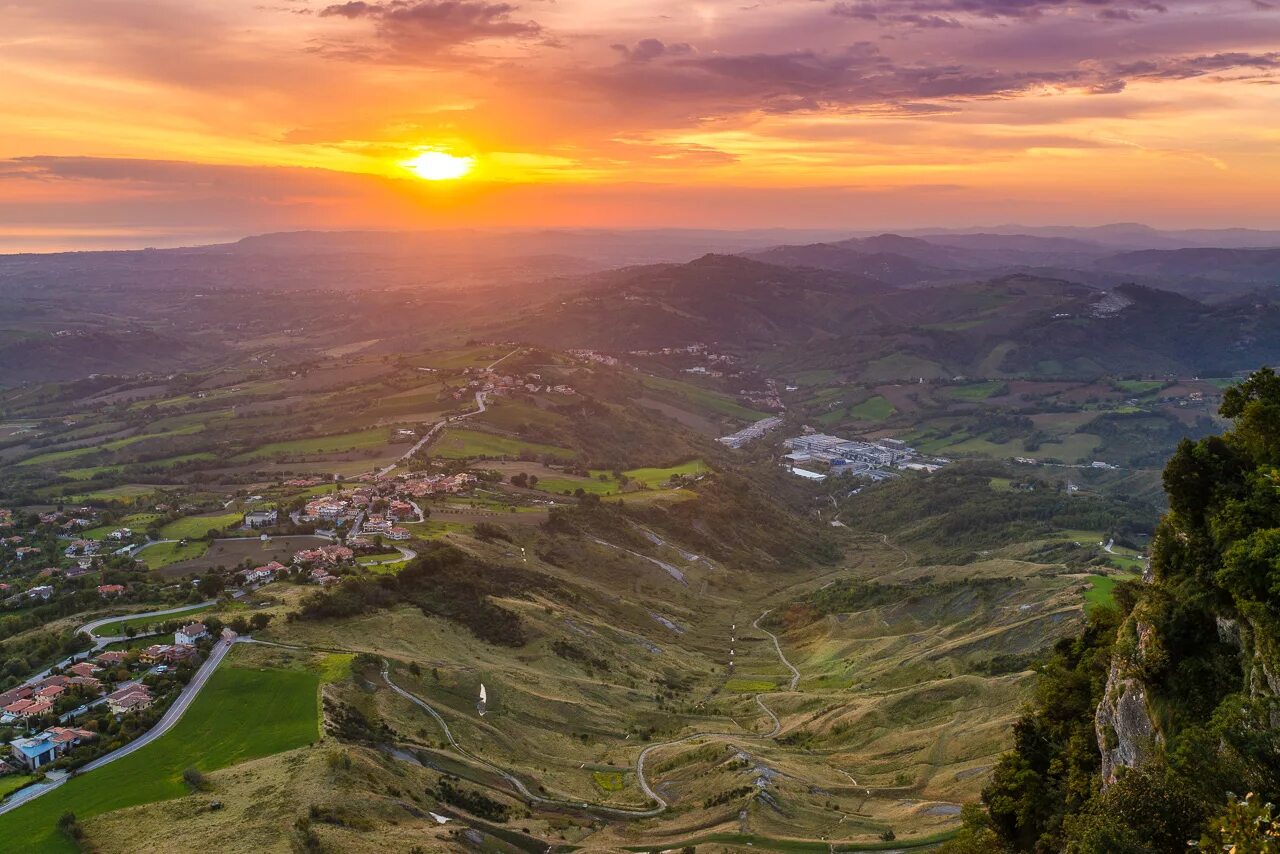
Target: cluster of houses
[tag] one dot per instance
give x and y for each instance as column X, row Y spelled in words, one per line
column 318, row 562
column 39, row 697
column 598, row 358
column 422, row 485
column 264, row 574
column 494, row 383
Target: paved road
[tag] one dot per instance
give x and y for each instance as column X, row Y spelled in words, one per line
column 435, row 428
column 439, row 425
column 171, row 717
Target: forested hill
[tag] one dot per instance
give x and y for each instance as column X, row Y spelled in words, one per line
column 1161, row 723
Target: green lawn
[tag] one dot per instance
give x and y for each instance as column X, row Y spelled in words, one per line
column 118, row 627
column 358, row 440
column 873, row 409
column 162, row 554
column 191, row 527
column 460, row 444
column 228, row 723
column 973, row 391
column 1139, row 387
column 649, row 477
column 1102, row 592
column 13, row 782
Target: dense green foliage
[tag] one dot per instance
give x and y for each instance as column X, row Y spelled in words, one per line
column 444, row 582
column 953, row 515
column 1202, row 641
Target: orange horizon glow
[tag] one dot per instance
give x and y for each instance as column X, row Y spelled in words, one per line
column 237, row 117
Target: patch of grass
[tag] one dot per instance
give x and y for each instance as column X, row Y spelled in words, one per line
column 118, row 627
column 191, row 527
column 230, row 722
column 127, row 493
column 750, row 686
column 973, row 391
column 609, row 781
column 873, row 409
column 461, row 444
column 359, row 440
column 703, row 399
column 654, row 477
column 115, row 445
column 1101, row 593
column 1138, row 387
column 602, row 482
column 335, row 667
column 162, row 554
column 13, row 782
column 381, row 557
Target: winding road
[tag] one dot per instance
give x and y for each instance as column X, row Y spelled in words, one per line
column 440, row 425
column 643, row 783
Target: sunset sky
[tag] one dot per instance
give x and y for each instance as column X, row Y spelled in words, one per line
column 147, row 122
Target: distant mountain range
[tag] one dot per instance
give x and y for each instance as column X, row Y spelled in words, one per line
column 1047, row 302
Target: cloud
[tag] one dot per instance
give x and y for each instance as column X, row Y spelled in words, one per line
column 946, row 13
column 862, row 78
column 411, row 28
column 650, row 49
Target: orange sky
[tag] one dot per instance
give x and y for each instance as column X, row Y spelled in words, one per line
column 148, row 122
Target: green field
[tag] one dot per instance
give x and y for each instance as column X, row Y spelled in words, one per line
column 703, row 399
column 873, row 409
column 359, row 440
column 192, row 527
column 461, row 444
column 1139, row 387
column 651, row 478
column 227, row 724
column 13, row 782
column 119, row 626
column 126, row 493
column 973, row 391
column 73, row 453
column 162, row 554
column 1102, row 592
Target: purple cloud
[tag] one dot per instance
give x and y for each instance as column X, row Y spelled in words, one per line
column 946, row 13
column 418, row 27
column 650, row 49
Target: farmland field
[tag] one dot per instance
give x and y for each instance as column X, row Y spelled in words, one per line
column 460, row 444
column 191, row 527
column 358, row 440
column 227, row 724
column 162, row 554
column 704, row 399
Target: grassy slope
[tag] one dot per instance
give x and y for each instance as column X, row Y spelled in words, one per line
column 358, row 440
column 458, row 444
column 230, row 722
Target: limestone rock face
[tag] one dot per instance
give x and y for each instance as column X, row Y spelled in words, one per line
column 1127, row 736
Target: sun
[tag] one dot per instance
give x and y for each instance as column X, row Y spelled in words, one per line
column 439, row 166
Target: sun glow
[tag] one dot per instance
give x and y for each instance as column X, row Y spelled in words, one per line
column 439, row 166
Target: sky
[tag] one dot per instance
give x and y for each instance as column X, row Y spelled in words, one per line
column 158, row 123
